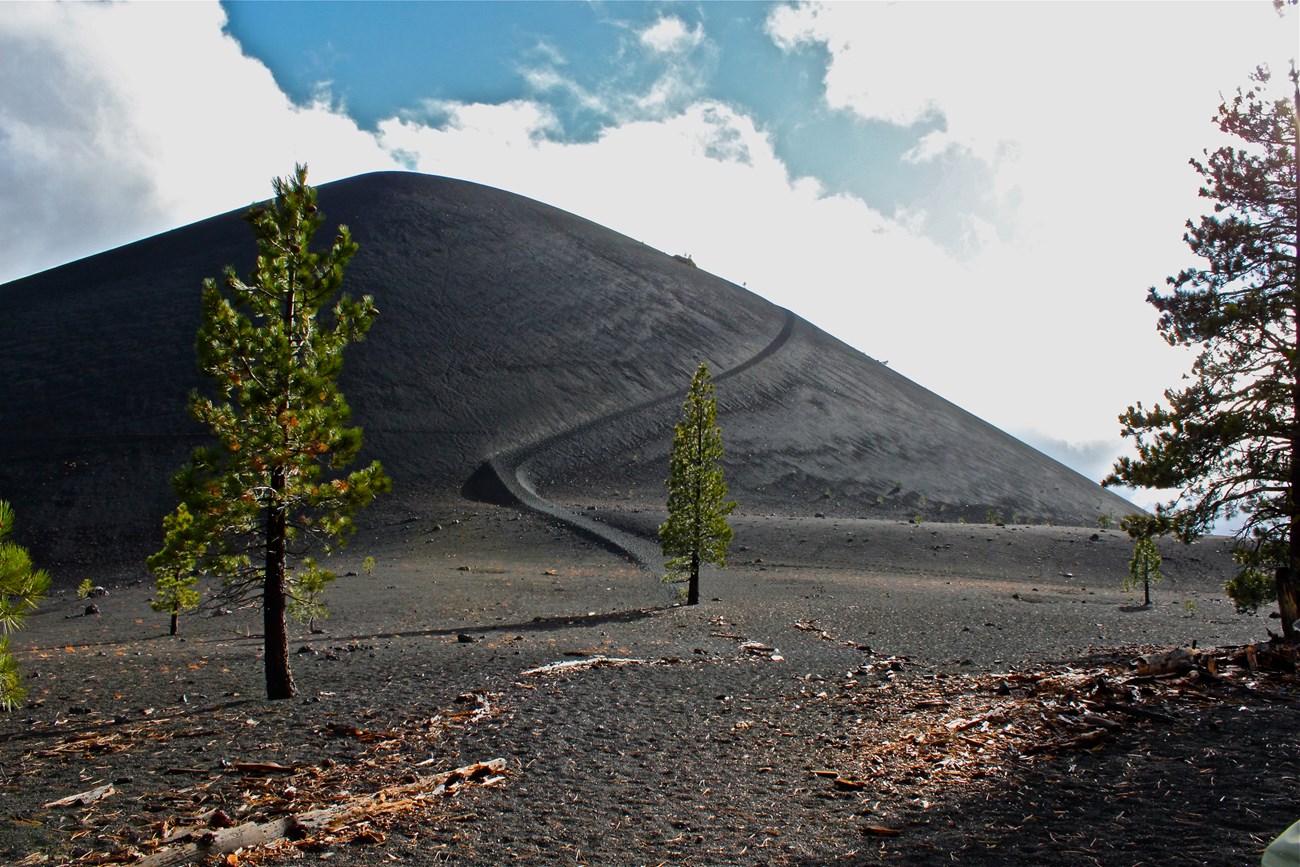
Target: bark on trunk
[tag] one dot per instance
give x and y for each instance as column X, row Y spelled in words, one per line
column 693, row 588
column 1288, row 578
column 176, row 625
column 279, row 680
column 1288, row 599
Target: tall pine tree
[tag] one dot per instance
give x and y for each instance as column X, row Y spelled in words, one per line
column 271, row 490
column 696, row 531
column 21, row 588
column 1229, row 442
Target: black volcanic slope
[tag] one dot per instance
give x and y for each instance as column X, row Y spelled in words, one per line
column 515, row 342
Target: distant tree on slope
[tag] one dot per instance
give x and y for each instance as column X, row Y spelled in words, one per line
column 270, row 490
column 21, row 588
column 1229, row 442
column 696, row 531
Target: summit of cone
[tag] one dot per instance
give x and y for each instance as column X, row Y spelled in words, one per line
column 520, row 351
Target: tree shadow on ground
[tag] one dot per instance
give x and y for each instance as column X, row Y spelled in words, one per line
column 537, row 624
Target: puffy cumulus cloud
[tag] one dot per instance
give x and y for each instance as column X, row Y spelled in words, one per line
column 1000, row 72
column 118, row 121
column 1083, row 117
column 670, row 35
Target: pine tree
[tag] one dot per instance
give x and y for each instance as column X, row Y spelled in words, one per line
column 1144, row 567
column 21, row 589
column 307, row 594
column 696, row 531
column 175, row 568
column 1230, row 441
column 271, row 489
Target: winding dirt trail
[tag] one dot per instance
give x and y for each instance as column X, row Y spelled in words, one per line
column 507, row 478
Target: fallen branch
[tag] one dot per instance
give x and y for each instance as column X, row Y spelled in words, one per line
column 583, row 664
column 83, row 799
column 207, row 842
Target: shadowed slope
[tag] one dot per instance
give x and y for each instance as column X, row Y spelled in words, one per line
column 507, row 330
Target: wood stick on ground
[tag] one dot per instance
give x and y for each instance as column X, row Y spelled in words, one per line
column 83, row 799
column 227, row 840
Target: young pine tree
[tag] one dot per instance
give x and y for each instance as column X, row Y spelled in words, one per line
column 696, row 531
column 307, row 594
column 21, row 589
column 1144, row 567
column 175, row 566
column 271, row 490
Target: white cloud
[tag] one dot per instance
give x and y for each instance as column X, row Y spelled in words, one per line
column 121, row 120
column 670, row 35
column 1084, row 116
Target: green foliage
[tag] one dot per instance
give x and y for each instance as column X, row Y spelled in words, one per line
column 1254, row 585
column 696, row 530
column 306, row 594
column 1105, row 520
column 21, row 590
column 271, row 490
column 1227, row 441
column 85, row 588
column 175, row 567
column 1144, row 567
column 368, row 565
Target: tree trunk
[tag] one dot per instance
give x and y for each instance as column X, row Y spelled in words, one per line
column 1146, row 590
column 1288, row 578
column 279, row 680
column 693, row 588
column 176, row 625
column 1288, row 599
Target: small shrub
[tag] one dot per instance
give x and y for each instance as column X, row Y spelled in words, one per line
column 1254, row 586
column 368, row 565
column 85, row 588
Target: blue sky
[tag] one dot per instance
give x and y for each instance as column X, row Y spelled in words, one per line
column 389, row 59
column 978, row 193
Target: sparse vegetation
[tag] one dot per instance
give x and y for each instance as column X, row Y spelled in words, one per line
column 1144, row 567
column 307, row 594
column 269, row 490
column 696, row 531
column 21, row 590
column 85, row 588
column 1255, row 585
column 368, row 566
column 174, row 568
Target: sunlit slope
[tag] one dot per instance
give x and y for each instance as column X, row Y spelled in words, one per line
column 509, row 330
